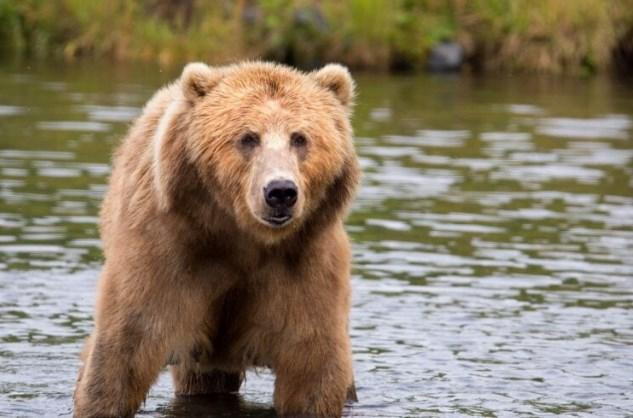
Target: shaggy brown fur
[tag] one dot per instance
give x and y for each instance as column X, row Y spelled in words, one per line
column 193, row 277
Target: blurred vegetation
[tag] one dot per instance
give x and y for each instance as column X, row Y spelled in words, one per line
column 553, row 36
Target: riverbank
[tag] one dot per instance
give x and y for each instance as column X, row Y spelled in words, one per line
column 541, row 36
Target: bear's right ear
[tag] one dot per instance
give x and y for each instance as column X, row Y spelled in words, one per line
column 199, row 79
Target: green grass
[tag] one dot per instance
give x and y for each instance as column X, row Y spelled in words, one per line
column 548, row 36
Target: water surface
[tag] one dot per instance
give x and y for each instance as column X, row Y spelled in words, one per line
column 493, row 242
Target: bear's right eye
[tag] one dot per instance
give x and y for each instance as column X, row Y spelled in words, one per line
column 249, row 140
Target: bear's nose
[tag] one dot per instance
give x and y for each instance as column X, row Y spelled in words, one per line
column 281, row 194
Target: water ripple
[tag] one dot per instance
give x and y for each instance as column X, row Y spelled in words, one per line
column 492, row 245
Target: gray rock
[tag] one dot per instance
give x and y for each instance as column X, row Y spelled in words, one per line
column 447, row 56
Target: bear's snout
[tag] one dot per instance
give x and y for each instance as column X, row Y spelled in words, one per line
column 280, row 196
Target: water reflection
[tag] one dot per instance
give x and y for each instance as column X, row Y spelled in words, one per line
column 493, row 239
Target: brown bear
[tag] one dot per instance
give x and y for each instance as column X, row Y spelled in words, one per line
column 224, row 242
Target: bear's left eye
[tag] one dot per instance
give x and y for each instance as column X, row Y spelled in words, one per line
column 298, row 139
column 249, row 140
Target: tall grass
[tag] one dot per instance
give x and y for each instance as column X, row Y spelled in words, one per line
column 545, row 35
column 555, row 36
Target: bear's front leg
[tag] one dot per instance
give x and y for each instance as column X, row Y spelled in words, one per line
column 314, row 377
column 138, row 323
column 118, row 372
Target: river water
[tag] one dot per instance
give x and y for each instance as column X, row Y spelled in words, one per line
column 493, row 242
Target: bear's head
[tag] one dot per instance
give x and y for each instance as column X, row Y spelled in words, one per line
column 271, row 145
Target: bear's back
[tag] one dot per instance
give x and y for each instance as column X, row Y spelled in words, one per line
column 131, row 179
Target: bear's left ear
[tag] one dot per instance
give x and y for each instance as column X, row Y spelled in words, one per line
column 199, row 79
column 338, row 80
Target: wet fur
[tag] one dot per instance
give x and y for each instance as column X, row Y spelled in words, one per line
column 192, row 280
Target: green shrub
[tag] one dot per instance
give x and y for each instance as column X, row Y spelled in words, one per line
column 554, row 36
